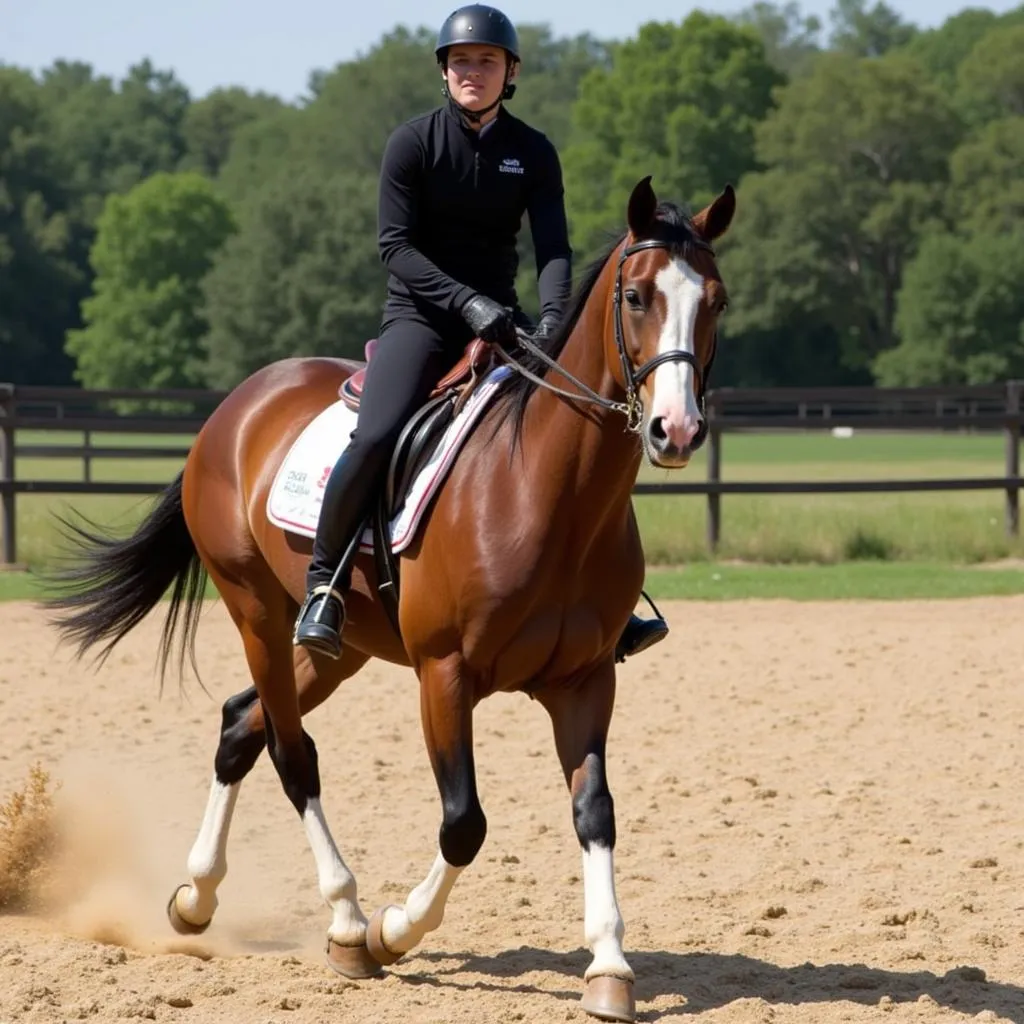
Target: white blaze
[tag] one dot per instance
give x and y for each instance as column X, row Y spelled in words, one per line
column 673, row 398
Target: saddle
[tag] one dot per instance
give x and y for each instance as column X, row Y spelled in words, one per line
column 476, row 358
column 415, row 444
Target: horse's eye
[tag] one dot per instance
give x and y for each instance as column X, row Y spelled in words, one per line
column 633, row 299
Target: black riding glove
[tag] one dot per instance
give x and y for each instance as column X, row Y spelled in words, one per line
column 547, row 326
column 490, row 320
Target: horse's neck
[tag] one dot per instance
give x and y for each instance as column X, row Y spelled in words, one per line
column 584, row 447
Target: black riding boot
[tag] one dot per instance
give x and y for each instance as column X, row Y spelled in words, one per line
column 343, row 517
column 639, row 634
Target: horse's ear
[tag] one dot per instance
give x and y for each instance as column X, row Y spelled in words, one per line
column 643, row 204
column 713, row 221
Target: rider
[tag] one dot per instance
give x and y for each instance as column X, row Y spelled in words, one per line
column 454, row 185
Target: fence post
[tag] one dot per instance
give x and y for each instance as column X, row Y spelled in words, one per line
column 1013, row 410
column 714, row 475
column 87, row 456
column 7, row 520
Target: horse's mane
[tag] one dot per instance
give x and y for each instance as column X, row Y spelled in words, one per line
column 671, row 225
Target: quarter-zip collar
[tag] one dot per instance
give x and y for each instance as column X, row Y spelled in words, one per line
column 453, row 112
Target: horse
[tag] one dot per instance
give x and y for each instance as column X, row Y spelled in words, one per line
column 549, row 568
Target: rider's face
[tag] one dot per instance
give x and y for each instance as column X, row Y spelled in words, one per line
column 476, row 74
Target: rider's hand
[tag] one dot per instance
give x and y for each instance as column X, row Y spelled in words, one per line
column 490, row 320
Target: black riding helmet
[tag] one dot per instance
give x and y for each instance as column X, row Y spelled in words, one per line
column 478, row 23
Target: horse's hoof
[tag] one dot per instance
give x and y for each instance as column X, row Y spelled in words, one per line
column 178, row 923
column 375, row 939
column 609, row 998
column 354, row 962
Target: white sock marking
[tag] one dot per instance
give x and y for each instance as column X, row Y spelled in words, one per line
column 602, row 922
column 207, row 860
column 404, row 927
column 337, row 883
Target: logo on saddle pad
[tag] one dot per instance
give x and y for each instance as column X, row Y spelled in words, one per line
column 510, row 165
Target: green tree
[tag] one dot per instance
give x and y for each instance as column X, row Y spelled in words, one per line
column 154, row 245
column 210, row 125
column 103, row 137
column 990, row 81
column 859, row 155
column 861, row 31
column 941, row 50
column 344, row 127
column 680, row 102
column 37, row 280
column 550, row 78
column 362, row 101
column 791, row 38
column 111, row 137
column 961, row 313
column 301, row 277
column 987, row 186
column 259, row 149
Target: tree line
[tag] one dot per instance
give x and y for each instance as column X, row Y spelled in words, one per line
column 149, row 238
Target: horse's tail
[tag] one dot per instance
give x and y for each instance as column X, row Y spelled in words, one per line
column 118, row 582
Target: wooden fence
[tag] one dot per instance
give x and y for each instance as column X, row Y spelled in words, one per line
column 977, row 409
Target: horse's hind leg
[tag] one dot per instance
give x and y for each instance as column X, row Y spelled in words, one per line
column 242, row 740
column 275, row 720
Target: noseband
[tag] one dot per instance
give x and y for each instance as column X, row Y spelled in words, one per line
column 633, row 377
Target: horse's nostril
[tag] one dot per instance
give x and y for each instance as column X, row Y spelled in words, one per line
column 658, row 429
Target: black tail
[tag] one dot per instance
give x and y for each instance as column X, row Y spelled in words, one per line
column 119, row 581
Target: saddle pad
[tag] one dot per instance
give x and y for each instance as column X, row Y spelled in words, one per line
column 297, row 491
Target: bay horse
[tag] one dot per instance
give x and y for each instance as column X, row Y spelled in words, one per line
column 549, row 569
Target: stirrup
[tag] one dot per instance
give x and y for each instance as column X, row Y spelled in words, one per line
column 639, row 634
column 315, row 634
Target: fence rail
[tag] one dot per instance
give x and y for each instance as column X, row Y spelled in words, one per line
column 982, row 409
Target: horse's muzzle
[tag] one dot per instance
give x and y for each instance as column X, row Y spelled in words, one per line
column 672, row 449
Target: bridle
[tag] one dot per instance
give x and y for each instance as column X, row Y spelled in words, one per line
column 633, row 377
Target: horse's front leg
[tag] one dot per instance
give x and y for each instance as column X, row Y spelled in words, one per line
column 446, row 710
column 581, row 712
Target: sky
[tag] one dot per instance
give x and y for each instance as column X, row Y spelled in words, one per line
column 272, row 45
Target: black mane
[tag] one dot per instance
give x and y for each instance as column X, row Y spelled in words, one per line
column 673, row 226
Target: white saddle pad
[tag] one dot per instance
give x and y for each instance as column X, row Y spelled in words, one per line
column 297, row 491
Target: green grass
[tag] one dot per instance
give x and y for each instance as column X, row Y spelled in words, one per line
column 19, row 586
column 893, row 581
column 941, row 527
column 945, row 526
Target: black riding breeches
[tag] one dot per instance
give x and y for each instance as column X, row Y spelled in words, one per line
column 409, row 360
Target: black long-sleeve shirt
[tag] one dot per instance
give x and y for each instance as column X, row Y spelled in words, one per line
column 451, row 204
